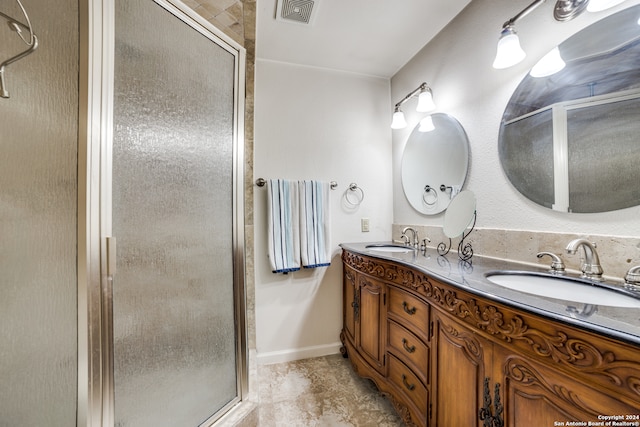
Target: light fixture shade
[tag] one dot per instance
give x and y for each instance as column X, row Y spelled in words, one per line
column 509, row 52
column 599, row 5
column 549, row 64
column 425, row 101
column 398, row 121
column 426, row 124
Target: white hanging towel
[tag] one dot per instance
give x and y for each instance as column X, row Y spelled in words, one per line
column 283, row 225
column 315, row 246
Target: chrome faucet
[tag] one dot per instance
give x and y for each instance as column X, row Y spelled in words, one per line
column 415, row 240
column 632, row 278
column 557, row 266
column 591, row 265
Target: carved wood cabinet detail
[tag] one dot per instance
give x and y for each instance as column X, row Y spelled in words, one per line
column 445, row 356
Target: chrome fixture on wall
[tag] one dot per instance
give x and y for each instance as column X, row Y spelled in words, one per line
column 510, row 53
column 261, row 182
column 354, row 195
column 425, row 105
column 31, row 41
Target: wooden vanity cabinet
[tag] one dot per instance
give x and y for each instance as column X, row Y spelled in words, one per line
column 492, row 361
column 467, row 368
column 349, row 301
column 538, row 394
column 370, row 323
column 407, row 346
column 452, row 358
column 385, row 335
column 458, row 373
column 364, row 320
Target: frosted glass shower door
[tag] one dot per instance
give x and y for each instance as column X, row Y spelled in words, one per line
column 39, row 219
column 174, row 328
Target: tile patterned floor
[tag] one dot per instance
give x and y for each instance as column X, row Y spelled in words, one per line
column 320, row 392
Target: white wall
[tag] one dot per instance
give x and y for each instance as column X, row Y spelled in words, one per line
column 457, row 65
column 319, row 124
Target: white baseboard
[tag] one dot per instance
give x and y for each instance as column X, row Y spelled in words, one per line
column 298, row 353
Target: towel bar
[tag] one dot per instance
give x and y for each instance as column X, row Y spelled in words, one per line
column 261, row 182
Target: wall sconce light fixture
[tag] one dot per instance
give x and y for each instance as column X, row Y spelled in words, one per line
column 425, row 104
column 510, row 53
column 398, row 121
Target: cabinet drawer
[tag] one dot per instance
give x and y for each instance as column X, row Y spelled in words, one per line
column 410, row 349
column 408, row 382
column 410, row 311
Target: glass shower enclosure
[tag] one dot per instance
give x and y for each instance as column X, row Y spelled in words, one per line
column 38, row 217
column 174, row 317
column 121, row 217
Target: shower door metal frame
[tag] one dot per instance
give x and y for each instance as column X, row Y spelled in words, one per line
column 95, row 141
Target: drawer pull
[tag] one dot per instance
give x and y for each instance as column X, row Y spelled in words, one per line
column 410, row 311
column 409, row 387
column 406, row 347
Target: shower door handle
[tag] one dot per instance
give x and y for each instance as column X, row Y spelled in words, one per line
column 111, row 257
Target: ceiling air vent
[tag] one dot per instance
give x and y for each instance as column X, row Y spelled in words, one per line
column 296, row 11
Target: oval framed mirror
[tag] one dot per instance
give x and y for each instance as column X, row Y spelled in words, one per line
column 434, row 164
column 568, row 141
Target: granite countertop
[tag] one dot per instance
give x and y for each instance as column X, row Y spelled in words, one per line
column 617, row 322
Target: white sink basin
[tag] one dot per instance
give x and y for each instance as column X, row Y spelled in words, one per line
column 389, row 248
column 563, row 288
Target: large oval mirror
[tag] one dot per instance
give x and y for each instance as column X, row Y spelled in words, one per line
column 434, row 164
column 569, row 141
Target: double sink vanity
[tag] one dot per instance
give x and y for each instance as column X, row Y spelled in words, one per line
column 489, row 342
column 463, row 340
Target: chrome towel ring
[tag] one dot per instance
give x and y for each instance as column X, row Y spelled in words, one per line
column 428, row 190
column 354, row 194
